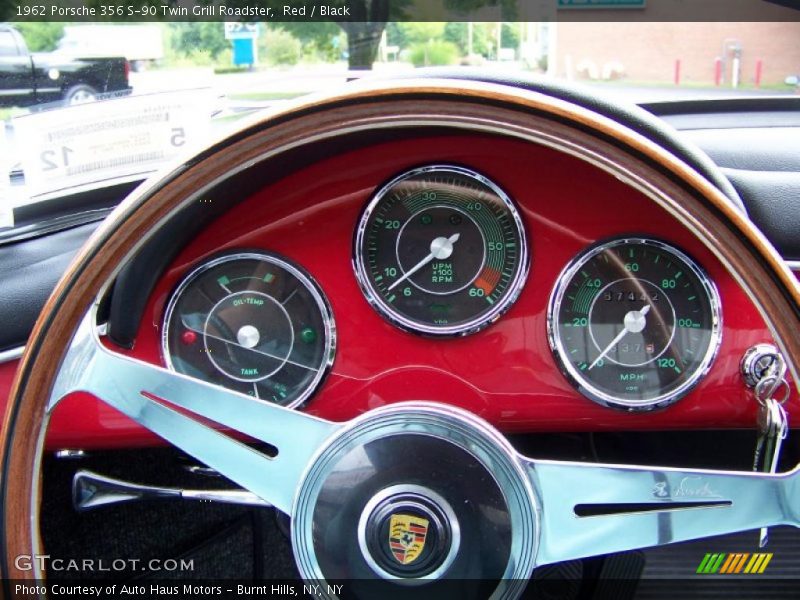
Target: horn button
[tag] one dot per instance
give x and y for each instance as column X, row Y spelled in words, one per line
column 422, row 498
column 408, row 531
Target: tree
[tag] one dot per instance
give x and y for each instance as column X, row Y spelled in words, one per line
column 369, row 18
column 419, row 32
column 188, row 37
column 364, row 28
column 483, row 42
column 365, row 31
column 41, row 36
column 317, row 37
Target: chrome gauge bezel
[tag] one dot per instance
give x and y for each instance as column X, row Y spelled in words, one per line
column 585, row 386
column 295, row 270
column 389, row 313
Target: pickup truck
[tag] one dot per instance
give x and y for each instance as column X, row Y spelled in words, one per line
column 28, row 79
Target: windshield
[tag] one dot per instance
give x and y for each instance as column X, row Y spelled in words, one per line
column 89, row 103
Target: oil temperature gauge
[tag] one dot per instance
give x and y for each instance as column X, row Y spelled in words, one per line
column 254, row 323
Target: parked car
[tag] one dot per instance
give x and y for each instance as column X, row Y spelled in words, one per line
column 28, row 79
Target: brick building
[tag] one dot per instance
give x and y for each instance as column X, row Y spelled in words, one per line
column 647, row 52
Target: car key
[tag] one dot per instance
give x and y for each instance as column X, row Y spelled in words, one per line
column 773, row 427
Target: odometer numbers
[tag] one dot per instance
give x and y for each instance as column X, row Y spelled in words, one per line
column 634, row 323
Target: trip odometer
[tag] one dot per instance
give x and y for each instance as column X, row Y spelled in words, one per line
column 635, row 323
column 441, row 250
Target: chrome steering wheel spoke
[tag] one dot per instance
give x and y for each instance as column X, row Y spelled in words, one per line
column 166, row 403
column 565, row 510
column 590, row 509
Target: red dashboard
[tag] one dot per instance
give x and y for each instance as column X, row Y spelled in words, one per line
column 505, row 373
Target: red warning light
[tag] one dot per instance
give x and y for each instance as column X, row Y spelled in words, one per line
column 188, row 337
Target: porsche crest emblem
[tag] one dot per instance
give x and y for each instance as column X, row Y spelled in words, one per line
column 407, row 537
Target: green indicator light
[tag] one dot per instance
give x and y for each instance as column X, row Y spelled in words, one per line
column 223, row 280
column 308, row 335
column 426, row 219
column 269, row 277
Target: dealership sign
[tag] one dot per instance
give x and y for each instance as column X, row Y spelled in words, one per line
column 108, row 140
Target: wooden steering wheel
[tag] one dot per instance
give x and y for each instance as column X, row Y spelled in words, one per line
column 539, row 507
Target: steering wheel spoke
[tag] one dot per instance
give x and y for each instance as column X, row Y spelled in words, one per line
column 591, row 509
column 166, row 403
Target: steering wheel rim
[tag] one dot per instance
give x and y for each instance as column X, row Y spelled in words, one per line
column 64, row 343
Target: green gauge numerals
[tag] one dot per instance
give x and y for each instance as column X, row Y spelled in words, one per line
column 441, row 251
column 635, row 323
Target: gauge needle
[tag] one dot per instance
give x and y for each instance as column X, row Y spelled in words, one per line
column 232, row 343
column 441, row 249
column 634, row 322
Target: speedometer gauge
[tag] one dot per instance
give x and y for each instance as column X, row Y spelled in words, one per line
column 634, row 323
column 254, row 323
column 441, row 250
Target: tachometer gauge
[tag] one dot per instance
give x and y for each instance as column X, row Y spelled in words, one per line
column 254, row 323
column 441, row 250
column 634, row 323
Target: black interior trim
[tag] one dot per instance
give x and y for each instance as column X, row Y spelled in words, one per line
column 37, row 218
column 29, row 271
column 723, row 105
column 773, row 201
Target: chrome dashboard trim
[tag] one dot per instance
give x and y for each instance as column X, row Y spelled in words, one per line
column 11, row 354
column 794, row 265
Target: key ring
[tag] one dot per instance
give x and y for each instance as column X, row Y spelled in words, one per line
column 768, row 386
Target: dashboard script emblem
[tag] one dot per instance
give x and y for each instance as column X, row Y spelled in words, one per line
column 690, row 487
column 407, row 537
